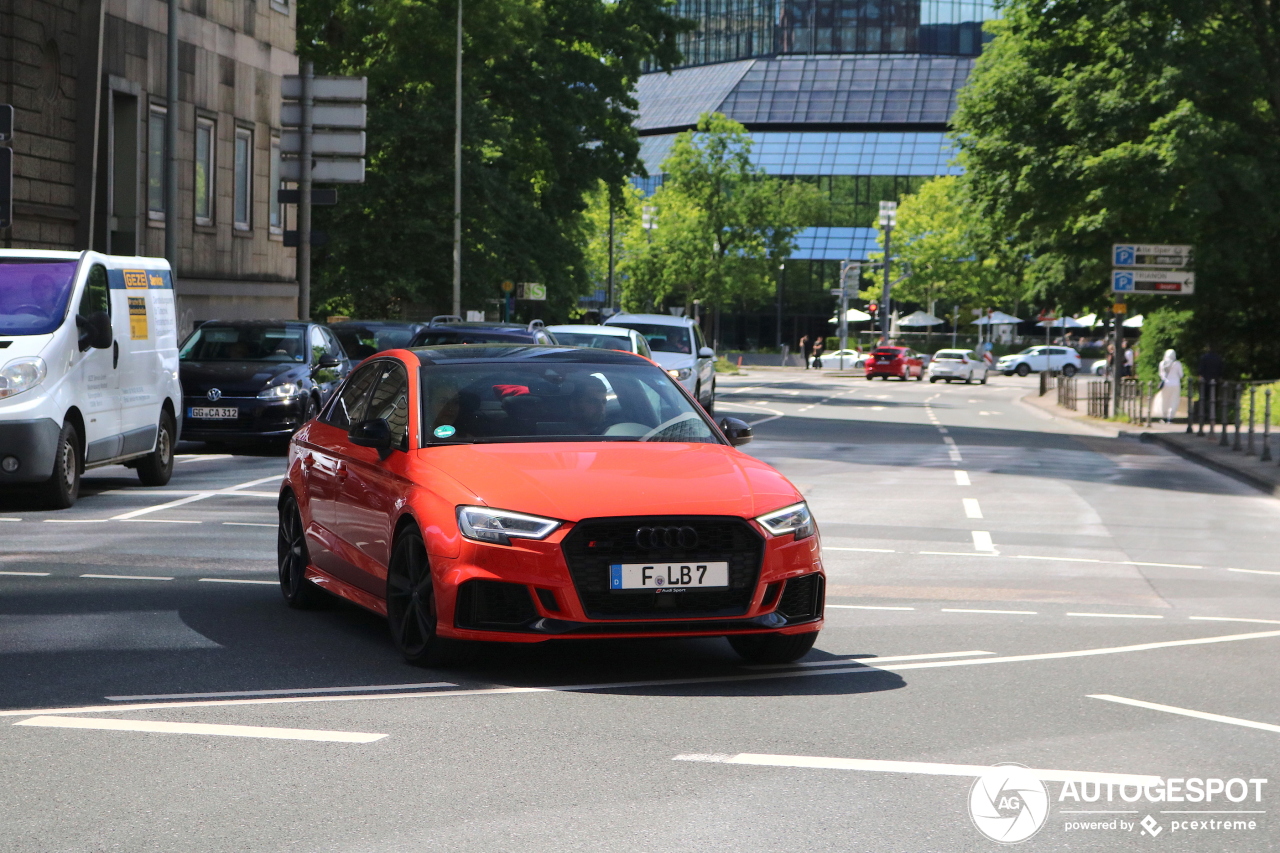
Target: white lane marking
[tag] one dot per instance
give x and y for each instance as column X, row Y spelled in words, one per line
column 127, row 577
column 868, row 550
column 237, row 580
column 160, row 521
column 192, row 498
column 968, row 610
column 1228, row 619
column 1160, row 565
column 1058, row 559
column 982, row 541
column 301, row 691
column 866, row 607
column 1120, row 615
column 962, row 478
column 1254, row 571
column 74, row 520
column 1186, row 712
column 209, row 458
column 623, row 685
column 873, row 660
column 765, row 420
column 959, row 553
column 10, row 519
column 199, row 729
column 943, row 430
column 971, row 508
column 948, row 440
column 922, row 767
column 27, row 574
column 248, row 524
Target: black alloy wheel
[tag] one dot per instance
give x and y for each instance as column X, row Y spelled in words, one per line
column 292, row 558
column 63, row 486
column 411, row 607
column 772, row 648
column 1068, row 370
column 968, row 380
column 1023, row 369
column 156, row 467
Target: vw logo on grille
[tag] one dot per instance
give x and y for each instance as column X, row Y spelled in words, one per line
column 655, row 538
column 214, row 395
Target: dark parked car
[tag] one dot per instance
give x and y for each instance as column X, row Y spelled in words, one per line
column 445, row 330
column 254, row 379
column 363, row 338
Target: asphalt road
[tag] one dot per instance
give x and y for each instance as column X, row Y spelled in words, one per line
column 993, row 572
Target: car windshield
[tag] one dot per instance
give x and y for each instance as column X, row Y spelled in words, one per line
column 1030, row 351
column 662, row 338
column 361, row 339
column 478, row 336
column 245, row 343
column 34, row 294
column 522, row 402
column 595, row 341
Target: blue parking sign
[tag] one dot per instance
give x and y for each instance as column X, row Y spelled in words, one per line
column 1123, row 256
column 1121, row 281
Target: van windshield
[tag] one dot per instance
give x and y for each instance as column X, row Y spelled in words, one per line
column 245, row 343
column 34, row 294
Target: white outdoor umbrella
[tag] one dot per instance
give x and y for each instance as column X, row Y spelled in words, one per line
column 1088, row 321
column 1062, row 322
column 997, row 318
column 1134, row 322
column 920, row 318
column 853, row 315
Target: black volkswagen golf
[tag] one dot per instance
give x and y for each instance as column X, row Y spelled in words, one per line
column 256, row 379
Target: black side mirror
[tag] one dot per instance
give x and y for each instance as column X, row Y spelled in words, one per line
column 374, row 433
column 737, row 431
column 327, row 361
column 95, row 330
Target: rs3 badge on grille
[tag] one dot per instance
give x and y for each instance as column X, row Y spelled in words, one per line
column 663, row 575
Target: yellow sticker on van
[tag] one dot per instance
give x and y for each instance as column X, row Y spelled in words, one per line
column 138, row 318
column 157, row 281
column 135, row 279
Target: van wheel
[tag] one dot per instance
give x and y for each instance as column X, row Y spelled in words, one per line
column 63, row 487
column 156, row 467
column 772, row 648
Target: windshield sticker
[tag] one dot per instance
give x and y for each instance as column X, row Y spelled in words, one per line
column 138, row 318
column 445, row 431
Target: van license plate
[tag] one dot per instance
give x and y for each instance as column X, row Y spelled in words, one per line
column 216, row 413
column 663, row 575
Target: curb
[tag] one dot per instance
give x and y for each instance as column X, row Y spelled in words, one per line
column 1246, row 477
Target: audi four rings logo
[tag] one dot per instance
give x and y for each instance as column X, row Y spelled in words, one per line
column 214, row 395
column 654, row 538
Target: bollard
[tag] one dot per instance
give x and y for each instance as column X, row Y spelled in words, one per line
column 1190, row 411
column 1253, row 401
column 1266, row 427
column 1213, row 403
column 1224, row 413
column 1235, row 412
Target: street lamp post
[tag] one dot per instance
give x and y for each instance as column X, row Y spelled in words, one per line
column 888, row 219
column 457, row 170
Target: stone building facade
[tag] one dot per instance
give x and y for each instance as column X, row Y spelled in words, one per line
column 87, row 79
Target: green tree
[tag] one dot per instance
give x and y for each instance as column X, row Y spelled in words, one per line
column 720, row 226
column 1088, row 122
column 548, row 114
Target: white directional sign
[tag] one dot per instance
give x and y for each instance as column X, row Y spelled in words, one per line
column 1149, row 255
column 325, row 171
column 340, row 143
column 1159, row 282
column 325, row 88
column 324, row 115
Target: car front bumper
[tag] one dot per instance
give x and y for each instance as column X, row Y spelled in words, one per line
column 256, row 419
column 34, row 444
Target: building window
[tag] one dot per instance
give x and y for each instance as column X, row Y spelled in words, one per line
column 243, row 178
column 156, row 122
column 275, row 208
column 206, row 136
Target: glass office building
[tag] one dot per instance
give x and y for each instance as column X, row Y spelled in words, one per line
column 853, row 96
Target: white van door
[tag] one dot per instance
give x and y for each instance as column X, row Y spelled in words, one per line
column 94, row 372
column 140, row 369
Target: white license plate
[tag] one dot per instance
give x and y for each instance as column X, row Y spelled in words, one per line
column 664, row 575
column 216, row 413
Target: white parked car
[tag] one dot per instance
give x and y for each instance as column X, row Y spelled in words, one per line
column 677, row 344
column 852, row 358
column 1035, row 359
column 952, row 364
column 602, row 337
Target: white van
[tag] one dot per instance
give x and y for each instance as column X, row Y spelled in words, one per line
column 88, row 369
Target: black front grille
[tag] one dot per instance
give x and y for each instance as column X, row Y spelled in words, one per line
column 802, row 599
column 494, row 605
column 595, row 544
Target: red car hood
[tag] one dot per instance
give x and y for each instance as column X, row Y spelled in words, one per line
column 577, row 480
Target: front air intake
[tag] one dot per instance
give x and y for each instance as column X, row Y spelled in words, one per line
column 802, row 599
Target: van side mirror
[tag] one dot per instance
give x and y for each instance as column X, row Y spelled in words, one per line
column 706, row 352
column 95, row 330
column 374, row 433
column 737, row 431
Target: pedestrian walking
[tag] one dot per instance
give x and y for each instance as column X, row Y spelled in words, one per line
column 818, row 348
column 1211, row 365
column 1170, row 390
column 1127, row 368
column 804, row 351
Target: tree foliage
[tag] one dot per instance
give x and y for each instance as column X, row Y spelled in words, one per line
column 548, row 111
column 1088, row 122
column 720, row 225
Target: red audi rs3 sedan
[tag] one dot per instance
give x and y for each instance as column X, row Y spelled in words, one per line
column 527, row 493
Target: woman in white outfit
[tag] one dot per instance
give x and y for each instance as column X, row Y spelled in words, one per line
column 1166, row 402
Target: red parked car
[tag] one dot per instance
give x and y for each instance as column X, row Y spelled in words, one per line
column 900, row 362
column 525, row 493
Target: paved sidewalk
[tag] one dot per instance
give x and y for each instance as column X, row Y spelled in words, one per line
column 1204, row 449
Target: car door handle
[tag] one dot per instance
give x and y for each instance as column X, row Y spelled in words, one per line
column 115, row 354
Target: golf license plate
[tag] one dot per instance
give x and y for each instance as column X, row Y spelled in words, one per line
column 662, row 575
column 215, row 413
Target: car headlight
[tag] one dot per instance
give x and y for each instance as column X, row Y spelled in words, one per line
column 500, row 526
column 279, row 392
column 790, row 519
column 681, row 373
column 21, row 374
